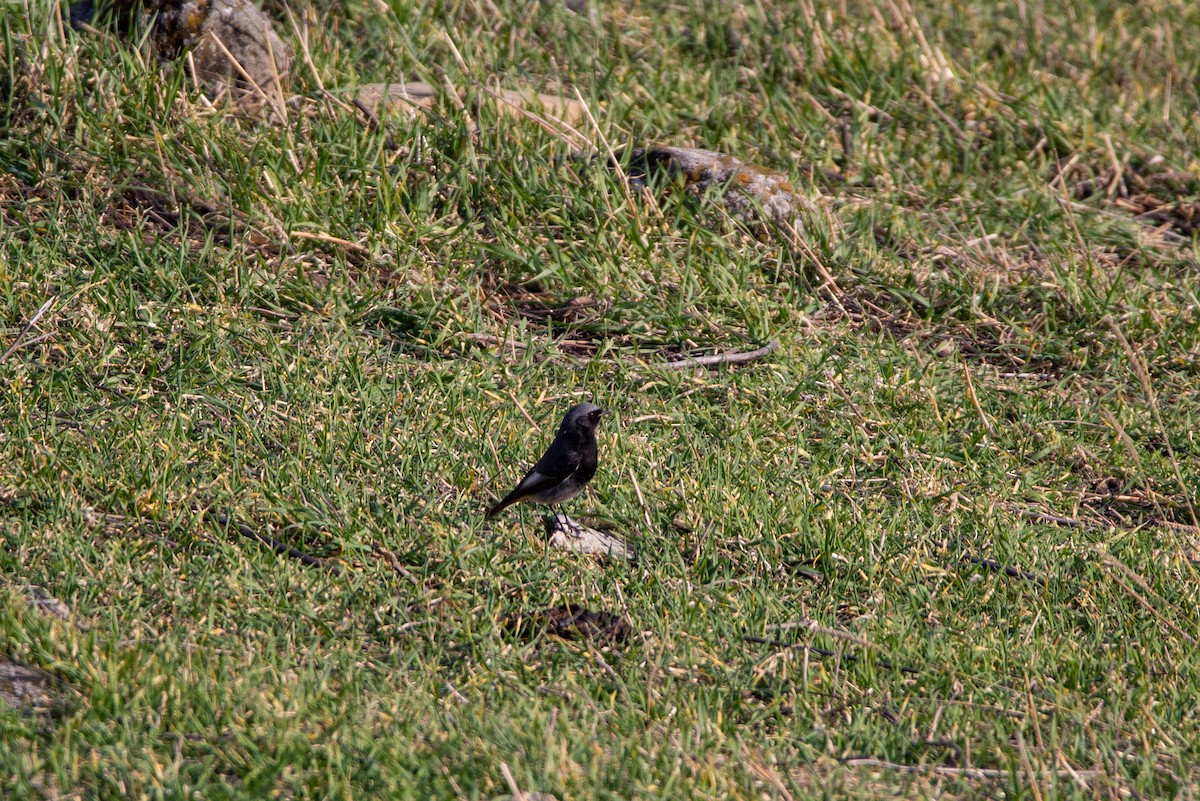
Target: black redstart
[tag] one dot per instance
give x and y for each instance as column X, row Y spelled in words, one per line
column 566, row 467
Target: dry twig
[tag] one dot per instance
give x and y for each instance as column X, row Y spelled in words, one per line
column 992, row 564
column 970, row 773
column 720, row 358
column 812, row 649
column 19, row 341
column 222, row 519
column 987, row 424
column 394, row 561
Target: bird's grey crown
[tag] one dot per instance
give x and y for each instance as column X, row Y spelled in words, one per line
column 580, row 415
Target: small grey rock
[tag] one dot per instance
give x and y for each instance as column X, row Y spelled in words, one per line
column 44, row 602
column 572, row 536
column 25, row 687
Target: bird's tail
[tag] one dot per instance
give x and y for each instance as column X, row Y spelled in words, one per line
column 506, row 502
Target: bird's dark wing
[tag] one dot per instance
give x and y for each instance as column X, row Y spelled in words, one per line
column 557, row 464
column 560, row 460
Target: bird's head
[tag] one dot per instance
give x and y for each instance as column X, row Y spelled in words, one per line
column 584, row 417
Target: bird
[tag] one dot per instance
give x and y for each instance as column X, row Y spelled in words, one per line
column 567, row 465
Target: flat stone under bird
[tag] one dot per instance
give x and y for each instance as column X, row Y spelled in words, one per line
column 567, row 465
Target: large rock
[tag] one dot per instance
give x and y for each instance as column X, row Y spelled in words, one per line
column 233, row 44
column 236, row 47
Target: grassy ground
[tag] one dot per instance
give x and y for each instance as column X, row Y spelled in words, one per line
column 1004, row 368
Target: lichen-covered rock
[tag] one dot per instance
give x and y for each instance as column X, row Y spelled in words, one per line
column 233, row 44
column 177, row 27
column 748, row 191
